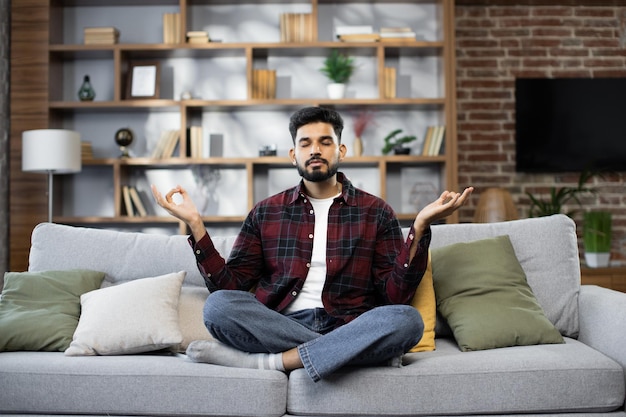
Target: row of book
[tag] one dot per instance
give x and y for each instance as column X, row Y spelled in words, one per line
column 172, row 28
column 433, row 141
column 389, row 82
column 263, row 84
column 101, row 35
column 366, row 33
column 167, row 143
column 296, row 27
column 132, row 202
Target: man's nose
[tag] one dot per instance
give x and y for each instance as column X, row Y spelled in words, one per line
column 315, row 149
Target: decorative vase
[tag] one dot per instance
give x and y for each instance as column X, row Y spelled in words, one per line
column 336, row 90
column 597, row 259
column 86, row 91
column 357, row 146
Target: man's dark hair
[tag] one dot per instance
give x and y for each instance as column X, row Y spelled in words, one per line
column 313, row 115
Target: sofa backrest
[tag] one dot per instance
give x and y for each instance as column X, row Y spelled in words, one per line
column 122, row 256
column 546, row 248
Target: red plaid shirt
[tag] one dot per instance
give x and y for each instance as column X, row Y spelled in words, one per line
column 366, row 255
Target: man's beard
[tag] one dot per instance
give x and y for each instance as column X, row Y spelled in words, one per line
column 318, row 175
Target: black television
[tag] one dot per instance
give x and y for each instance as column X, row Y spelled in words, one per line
column 570, row 124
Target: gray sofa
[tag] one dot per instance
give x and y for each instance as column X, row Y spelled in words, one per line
column 583, row 376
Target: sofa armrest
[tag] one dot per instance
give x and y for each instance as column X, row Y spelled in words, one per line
column 602, row 317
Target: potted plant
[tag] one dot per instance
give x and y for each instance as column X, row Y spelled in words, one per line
column 338, row 68
column 559, row 197
column 597, row 238
column 397, row 143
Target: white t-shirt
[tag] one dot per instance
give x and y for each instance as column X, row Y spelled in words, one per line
column 311, row 294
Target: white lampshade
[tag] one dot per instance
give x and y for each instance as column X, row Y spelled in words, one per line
column 51, row 150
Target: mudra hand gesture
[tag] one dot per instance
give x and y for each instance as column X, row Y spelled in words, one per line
column 185, row 210
column 447, row 203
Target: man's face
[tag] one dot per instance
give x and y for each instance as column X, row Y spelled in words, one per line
column 317, row 152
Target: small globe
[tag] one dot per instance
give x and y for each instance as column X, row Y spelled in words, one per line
column 124, row 137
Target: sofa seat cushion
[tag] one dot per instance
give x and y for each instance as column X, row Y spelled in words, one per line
column 148, row 384
column 570, row 377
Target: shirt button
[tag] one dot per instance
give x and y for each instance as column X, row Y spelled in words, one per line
column 294, row 293
column 311, row 212
column 406, row 265
column 198, row 252
column 310, row 235
column 308, row 265
column 208, row 275
column 411, row 236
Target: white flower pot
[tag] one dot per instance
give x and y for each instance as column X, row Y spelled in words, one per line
column 597, row 259
column 336, row 90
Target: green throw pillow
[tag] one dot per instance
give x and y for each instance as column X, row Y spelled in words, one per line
column 40, row 310
column 482, row 292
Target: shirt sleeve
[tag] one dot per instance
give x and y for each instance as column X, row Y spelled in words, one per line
column 401, row 281
column 241, row 271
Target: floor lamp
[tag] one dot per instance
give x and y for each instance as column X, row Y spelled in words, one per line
column 51, row 151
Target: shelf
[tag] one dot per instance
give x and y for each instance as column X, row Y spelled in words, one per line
column 219, row 76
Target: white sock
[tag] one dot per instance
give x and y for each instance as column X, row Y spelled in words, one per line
column 216, row 353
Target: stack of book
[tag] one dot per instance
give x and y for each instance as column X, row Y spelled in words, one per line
column 263, row 84
column 397, row 34
column 356, row 33
column 132, row 202
column 389, row 82
column 433, row 141
column 86, row 151
column 101, row 35
column 197, row 36
column 296, row 27
column 167, row 144
column 172, row 28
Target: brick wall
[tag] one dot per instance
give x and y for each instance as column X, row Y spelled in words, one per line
column 496, row 44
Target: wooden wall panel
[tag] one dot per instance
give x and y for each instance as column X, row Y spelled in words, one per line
column 29, row 97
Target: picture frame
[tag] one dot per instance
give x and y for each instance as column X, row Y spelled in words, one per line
column 143, row 80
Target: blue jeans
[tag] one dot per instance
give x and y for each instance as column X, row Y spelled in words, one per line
column 238, row 319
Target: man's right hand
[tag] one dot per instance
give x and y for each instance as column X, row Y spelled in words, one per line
column 185, row 211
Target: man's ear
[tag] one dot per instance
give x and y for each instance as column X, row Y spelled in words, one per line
column 342, row 151
column 292, row 156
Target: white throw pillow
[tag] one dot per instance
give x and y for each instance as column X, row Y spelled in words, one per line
column 190, row 318
column 136, row 316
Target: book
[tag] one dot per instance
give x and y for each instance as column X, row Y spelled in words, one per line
column 428, row 137
column 171, row 28
column 296, row 27
column 263, row 84
column 198, row 36
column 196, row 144
column 136, row 201
column 100, row 35
column 166, row 144
column 128, row 204
column 353, row 30
column 172, row 141
column 438, row 141
column 389, row 82
column 360, row 37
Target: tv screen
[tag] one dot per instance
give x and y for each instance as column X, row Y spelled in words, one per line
column 570, row 124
